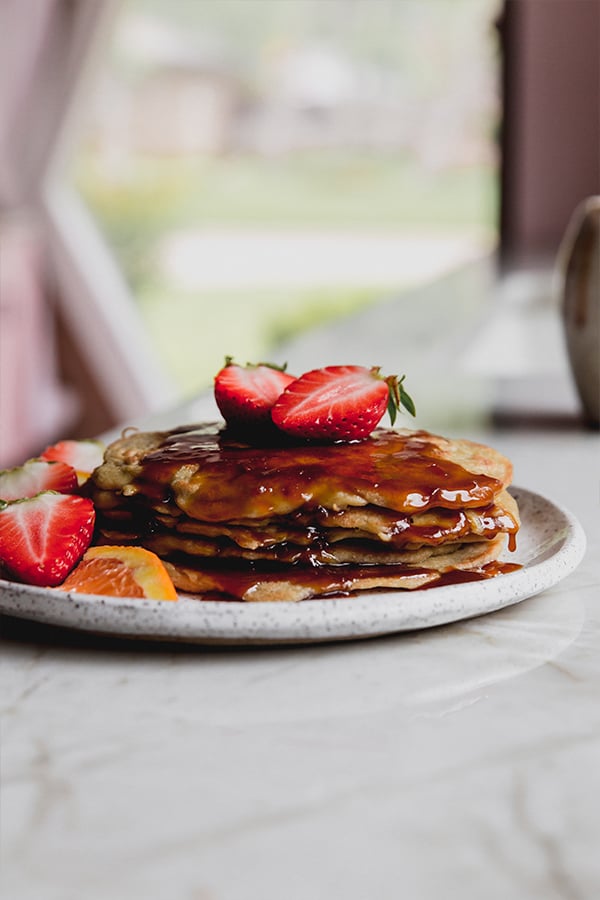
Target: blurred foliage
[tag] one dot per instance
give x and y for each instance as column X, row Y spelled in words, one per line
column 426, row 51
column 370, row 31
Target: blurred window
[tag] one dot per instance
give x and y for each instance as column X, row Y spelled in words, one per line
column 259, row 166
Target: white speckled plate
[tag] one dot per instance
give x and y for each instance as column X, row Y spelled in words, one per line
column 551, row 545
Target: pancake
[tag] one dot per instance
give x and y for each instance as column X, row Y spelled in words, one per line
column 367, row 523
column 398, row 509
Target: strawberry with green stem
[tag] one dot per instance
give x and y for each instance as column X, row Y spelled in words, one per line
column 339, row 403
column 246, row 394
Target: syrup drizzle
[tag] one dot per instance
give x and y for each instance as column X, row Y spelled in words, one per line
column 214, row 477
column 226, row 479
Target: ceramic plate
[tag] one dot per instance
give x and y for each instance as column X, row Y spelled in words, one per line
column 551, row 544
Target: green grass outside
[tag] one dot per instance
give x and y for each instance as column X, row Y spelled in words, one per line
column 193, row 331
column 325, row 191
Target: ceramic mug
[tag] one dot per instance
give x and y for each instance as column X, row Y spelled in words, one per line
column 580, row 269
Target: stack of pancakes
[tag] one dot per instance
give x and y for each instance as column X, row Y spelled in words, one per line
column 285, row 521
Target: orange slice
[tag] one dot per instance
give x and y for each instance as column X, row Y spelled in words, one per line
column 121, row 572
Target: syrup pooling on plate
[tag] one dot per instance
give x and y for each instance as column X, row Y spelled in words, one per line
column 328, row 582
column 228, row 479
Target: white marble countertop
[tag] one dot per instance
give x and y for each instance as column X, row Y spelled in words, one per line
column 457, row 762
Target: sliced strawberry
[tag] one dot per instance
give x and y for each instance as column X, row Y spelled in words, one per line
column 42, row 538
column 339, row 403
column 245, row 394
column 83, row 456
column 35, row 476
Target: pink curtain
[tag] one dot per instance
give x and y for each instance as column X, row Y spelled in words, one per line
column 50, row 247
column 34, row 405
column 25, row 40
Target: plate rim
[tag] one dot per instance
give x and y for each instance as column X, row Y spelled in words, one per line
column 239, row 622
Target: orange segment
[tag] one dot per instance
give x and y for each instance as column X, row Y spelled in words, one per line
column 121, row 572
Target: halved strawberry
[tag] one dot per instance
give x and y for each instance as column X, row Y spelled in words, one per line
column 42, row 538
column 339, row 403
column 35, row 476
column 83, row 456
column 245, row 394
